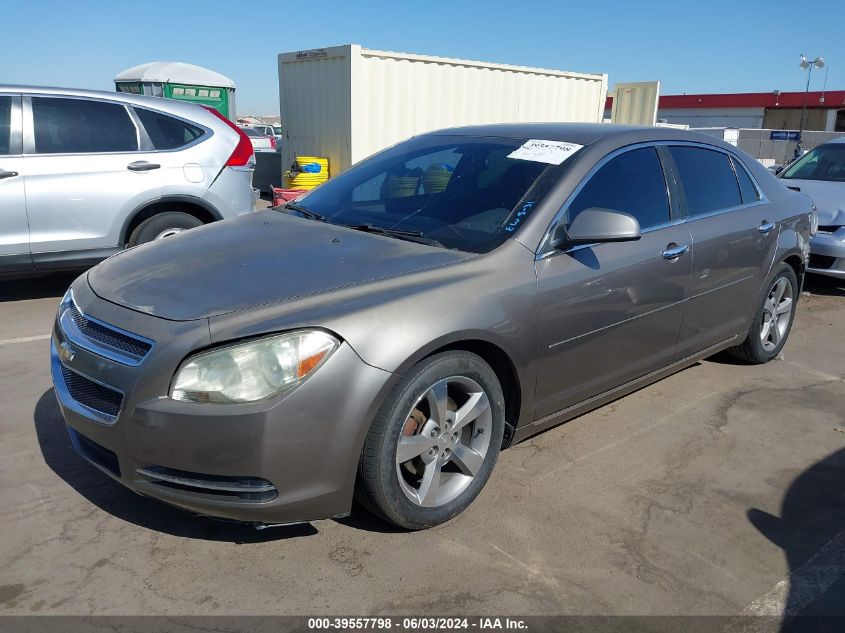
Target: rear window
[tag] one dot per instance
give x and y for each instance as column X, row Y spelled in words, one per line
column 708, row 179
column 251, row 132
column 80, row 126
column 746, row 186
column 166, row 132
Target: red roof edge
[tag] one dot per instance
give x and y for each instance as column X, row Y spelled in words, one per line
column 815, row 99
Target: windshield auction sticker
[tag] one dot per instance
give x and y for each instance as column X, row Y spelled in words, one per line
column 551, row 152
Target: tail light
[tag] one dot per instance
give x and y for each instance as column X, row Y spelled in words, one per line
column 273, row 142
column 243, row 154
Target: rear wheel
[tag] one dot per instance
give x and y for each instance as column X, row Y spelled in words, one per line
column 162, row 225
column 773, row 319
column 434, row 442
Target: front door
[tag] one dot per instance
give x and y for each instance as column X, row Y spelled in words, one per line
column 610, row 313
column 14, row 229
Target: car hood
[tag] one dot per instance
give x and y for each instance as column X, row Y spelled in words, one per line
column 253, row 260
column 829, row 198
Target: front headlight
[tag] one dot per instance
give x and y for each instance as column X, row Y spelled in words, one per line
column 254, row 370
column 814, row 221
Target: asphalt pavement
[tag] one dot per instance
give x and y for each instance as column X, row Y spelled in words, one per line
column 715, row 491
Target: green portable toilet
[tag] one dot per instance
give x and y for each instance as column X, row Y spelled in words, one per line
column 177, row 80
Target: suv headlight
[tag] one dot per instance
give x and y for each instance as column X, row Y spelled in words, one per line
column 254, row 370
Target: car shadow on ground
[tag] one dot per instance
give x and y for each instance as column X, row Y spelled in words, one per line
column 823, row 285
column 118, row 501
column 811, row 532
column 47, row 286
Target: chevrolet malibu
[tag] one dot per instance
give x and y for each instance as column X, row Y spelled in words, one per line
column 385, row 336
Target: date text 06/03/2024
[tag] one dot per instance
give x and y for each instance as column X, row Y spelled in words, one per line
column 416, row 623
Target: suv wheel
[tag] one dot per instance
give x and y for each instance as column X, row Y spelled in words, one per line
column 434, row 442
column 162, row 225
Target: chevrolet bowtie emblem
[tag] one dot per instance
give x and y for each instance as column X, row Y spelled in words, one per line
column 66, row 352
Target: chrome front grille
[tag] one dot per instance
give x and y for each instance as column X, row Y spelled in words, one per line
column 96, row 398
column 96, row 331
column 101, row 338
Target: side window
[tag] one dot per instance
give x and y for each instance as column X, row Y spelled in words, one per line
column 746, row 186
column 5, row 125
column 79, row 126
column 708, row 179
column 166, row 132
column 632, row 182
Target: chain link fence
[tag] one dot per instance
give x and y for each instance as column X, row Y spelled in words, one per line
column 759, row 143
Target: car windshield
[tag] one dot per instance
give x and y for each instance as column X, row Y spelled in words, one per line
column 462, row 192
column 826, row 162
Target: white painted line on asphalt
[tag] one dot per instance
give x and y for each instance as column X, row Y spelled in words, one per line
column 25, row 339
column 806, row 583
column 530, row 569
column 813, row 370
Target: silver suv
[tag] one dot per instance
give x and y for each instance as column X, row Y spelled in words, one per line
column 84, row 174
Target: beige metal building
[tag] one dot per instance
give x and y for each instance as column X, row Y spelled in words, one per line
column 347, row 102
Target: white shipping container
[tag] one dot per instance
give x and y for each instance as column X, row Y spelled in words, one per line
column 348, row 102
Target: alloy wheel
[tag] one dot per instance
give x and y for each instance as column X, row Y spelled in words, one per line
column 777, row 314
column 168, row 233
column 444, row 441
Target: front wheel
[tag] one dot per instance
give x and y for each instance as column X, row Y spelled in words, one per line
column 162, row 225
column 434, row 442
column 773, row 319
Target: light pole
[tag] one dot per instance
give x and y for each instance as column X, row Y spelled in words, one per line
column 807, row 65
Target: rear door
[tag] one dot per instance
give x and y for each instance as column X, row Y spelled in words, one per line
column 14, row 229
column 85, row 172
column 735, row 242
column 610, row 313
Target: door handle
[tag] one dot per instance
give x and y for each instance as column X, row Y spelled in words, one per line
column 7, row 174
column 142, row 165
column 673, row 251
column 766, row 227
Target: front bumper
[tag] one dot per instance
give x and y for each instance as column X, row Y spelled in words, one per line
column 827, row 253
column 287, row 460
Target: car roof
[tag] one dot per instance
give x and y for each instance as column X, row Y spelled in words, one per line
column 185, row 109
column 75, row 92
column 581, row 133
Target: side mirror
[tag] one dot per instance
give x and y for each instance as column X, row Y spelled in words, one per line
column 596, row 225
column 778, row 169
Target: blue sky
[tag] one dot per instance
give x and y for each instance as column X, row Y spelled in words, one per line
column 704, row 46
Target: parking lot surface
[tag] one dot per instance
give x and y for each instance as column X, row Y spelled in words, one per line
column 715, row 491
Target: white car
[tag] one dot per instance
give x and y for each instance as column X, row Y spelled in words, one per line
column 820, row 174
column 84, row 174
column 260, row 141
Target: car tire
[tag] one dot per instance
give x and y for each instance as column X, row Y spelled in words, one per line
column 773, row 319
column 162, row 225
column 456, row 454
